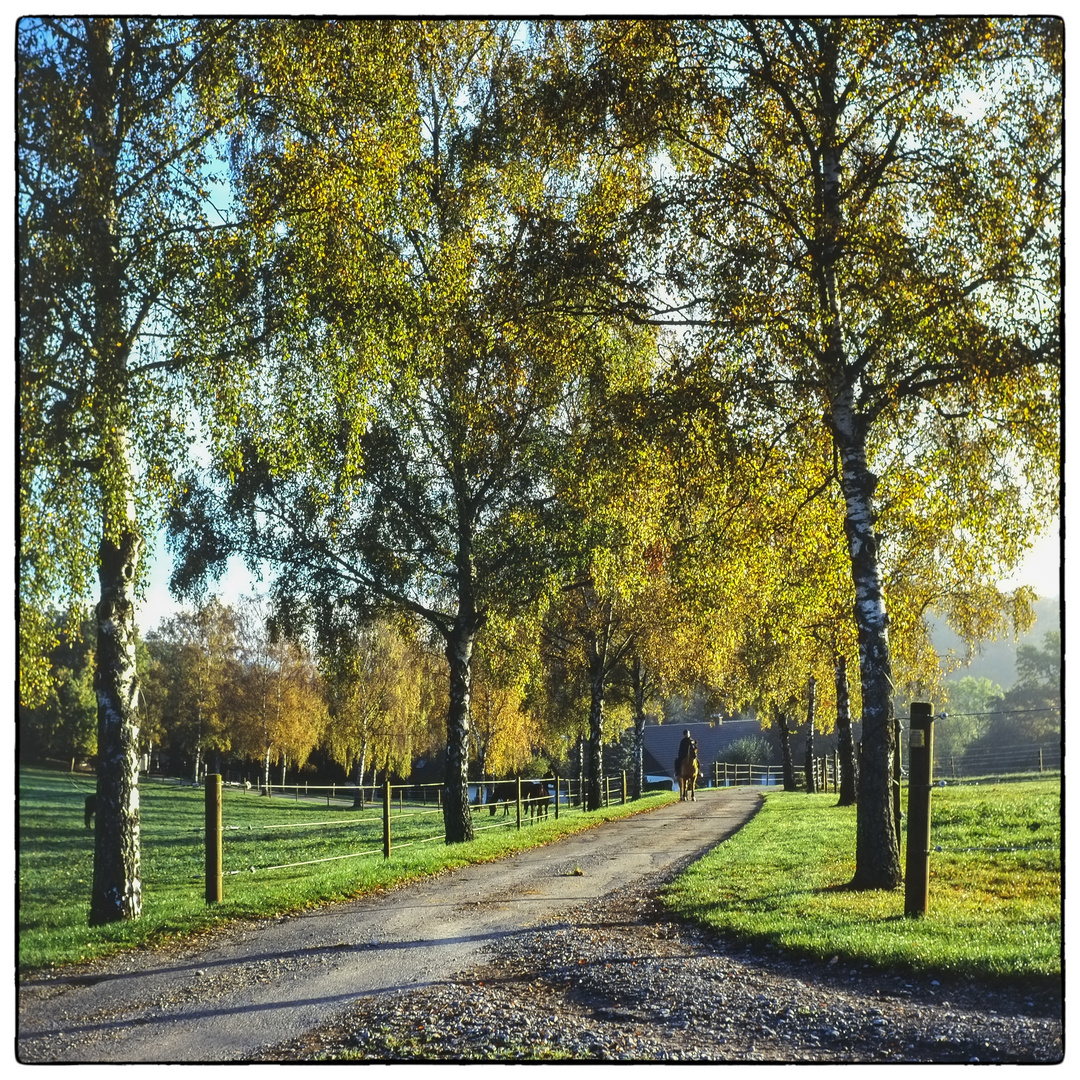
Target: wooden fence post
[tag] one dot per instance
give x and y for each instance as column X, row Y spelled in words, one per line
column 213, row 839
column 920, row 785
column 386, row 818
column 897, row 773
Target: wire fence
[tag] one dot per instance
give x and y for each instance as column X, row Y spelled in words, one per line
column 412, row 814
column 1000, row 761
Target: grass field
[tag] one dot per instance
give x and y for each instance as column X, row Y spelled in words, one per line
column 995, row 901
column 995, row 873
column 279, row 854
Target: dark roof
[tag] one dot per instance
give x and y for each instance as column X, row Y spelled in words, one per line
column 652, row 767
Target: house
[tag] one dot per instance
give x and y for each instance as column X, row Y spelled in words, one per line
column 662, row 742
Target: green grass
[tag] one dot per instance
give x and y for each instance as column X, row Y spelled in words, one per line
column 56, row 859
column 995, row 883
column 994, row 906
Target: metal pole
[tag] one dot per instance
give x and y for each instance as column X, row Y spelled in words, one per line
column 213, row 839
column 519, row 802
column 920, row 784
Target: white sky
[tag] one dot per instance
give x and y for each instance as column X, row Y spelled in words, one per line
column 1041, row 570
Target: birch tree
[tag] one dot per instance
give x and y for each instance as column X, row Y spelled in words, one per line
column 198, row 649
column 870, row 229
column 116, row 119
column 413, row 316
column 375, row 694
column 277, row 706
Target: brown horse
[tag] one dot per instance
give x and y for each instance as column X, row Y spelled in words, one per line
column 686, row 771
column 504, row 792
column 537, row 799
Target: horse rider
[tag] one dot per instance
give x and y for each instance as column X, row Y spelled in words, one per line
column 686, row 747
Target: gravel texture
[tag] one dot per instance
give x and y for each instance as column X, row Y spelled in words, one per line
column 617, row 979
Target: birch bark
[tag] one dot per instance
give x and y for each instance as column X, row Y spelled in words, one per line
column 844, row 741
column 117, row 889
column 597, row 656
column 457, row 815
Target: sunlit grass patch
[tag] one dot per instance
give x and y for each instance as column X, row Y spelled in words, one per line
column 995, row 884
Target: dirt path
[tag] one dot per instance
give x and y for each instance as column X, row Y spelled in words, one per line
column 257, row 986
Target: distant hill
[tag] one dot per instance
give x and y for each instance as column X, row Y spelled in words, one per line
column 996, row 660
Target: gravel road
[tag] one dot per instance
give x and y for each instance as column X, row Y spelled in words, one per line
column 257, row 985
column 557, row 953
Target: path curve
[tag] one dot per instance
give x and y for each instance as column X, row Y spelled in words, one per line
column 254, row 987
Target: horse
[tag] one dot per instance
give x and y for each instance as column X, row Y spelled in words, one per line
column 90, row 808
column 505, row 793
column 537, row 798
column 686, row 771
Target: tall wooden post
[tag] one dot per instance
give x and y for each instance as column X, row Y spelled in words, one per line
column 897, row 773
column 920, row 785
column 213, row 839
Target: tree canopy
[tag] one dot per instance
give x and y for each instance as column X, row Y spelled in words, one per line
column 730, row 346
column 840, row 244
column 116, row 123
column 411, row 465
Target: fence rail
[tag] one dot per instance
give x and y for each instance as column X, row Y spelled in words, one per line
column 995, row 761
column 403, row 808
column 614, row 788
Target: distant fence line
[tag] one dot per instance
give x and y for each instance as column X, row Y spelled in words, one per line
column 614, row 787
column 994, row 761
column 998, row 760
column 987, row 762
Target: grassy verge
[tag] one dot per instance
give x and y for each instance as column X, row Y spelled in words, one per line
column 280, row 855
column 995, row 885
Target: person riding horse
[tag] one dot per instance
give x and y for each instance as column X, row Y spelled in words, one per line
column 686, row 768
column 686, row 747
